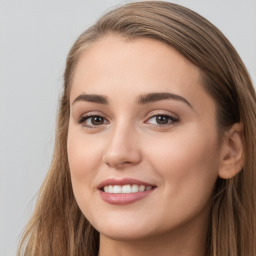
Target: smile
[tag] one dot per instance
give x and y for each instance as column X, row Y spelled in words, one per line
column 126, row 189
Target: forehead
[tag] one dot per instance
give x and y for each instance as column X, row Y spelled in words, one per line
column 116, row 66
column 117, row 55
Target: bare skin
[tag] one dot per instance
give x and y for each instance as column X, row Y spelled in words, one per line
column 181, row 242
column 139, row 111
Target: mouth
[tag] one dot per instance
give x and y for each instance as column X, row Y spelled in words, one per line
column 125, row 191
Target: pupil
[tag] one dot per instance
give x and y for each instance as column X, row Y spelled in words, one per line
column 96, row 120
column 162, row 119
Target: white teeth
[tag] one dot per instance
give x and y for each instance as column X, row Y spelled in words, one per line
column 125, row 189
column 135, row 188
column 117, row 189
column 141, row 188
column 110, row 189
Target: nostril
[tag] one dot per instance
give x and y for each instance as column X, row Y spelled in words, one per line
column 122, row 150
column 116, row 161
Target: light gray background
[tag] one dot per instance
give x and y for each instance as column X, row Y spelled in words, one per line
column 35, row 37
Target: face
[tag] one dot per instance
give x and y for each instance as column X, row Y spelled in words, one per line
column 142, row 141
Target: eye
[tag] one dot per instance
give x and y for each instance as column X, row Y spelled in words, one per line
column 162, row 120
column 91, row 121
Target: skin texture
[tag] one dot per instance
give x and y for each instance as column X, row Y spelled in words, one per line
column 181, row 158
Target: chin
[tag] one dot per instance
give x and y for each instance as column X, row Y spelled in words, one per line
column 122, row 235
column 125, row 230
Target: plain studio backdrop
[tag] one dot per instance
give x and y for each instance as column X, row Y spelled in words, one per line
column 35, row 37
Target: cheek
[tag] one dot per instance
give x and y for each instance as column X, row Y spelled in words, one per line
column 83, row 155
column 181, row 153
column 84, row 159
column 188, row 166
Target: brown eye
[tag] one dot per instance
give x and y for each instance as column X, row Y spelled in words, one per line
column 92, row 121
column 162, row 120
column 97, row 120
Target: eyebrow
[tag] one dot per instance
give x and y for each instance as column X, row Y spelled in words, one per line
column 142, row 99
column 95, row 98
column 153, row 97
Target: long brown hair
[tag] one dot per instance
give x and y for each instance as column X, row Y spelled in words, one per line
column 58, row 227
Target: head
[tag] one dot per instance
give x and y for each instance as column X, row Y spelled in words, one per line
column 224, row 82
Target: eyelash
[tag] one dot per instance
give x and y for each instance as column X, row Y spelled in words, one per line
column 171, row 120
column 84, row 118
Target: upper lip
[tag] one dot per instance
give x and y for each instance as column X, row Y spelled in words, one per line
column 123, row 181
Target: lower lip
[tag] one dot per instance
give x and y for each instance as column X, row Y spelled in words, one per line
column 122, row 199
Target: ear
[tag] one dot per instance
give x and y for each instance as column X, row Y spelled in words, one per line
column 232, row 152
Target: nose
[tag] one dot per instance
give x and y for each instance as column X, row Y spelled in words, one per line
column 123, row 148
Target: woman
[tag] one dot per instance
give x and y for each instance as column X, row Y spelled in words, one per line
column 155, row 144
